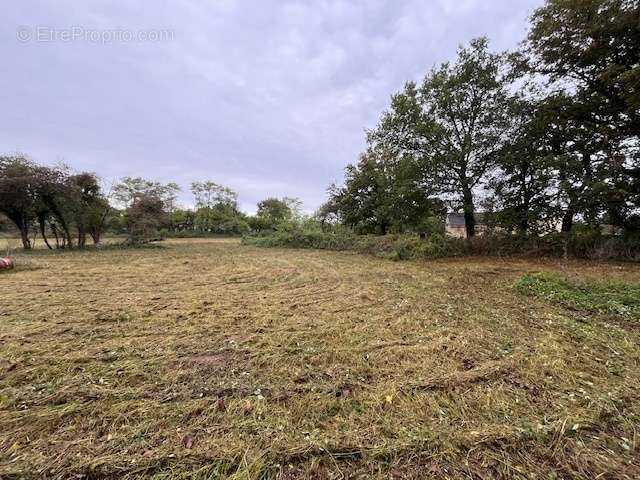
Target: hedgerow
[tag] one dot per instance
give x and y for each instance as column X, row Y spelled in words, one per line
column 404, row 246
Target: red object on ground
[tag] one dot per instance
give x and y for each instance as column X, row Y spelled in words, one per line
column 6, row 263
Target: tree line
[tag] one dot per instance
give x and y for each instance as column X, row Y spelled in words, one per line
column 544, row 138
column 64, row 208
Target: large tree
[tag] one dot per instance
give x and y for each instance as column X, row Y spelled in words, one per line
column 362, row 202
column 53, row 199
column 454, row 123
column 273, row 212
column 145, row 216
column 18, row 193
column 384, row 192
column 209, row 194
column 525, row 184
column 131, row 188
column 592, row 48
column 87, row 206
column 217, row 209
column 589, row 50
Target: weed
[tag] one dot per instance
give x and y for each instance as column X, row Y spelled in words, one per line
column 596, row 297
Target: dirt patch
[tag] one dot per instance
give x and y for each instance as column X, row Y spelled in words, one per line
column 211, row 359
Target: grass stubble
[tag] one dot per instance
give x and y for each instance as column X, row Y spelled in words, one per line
column 208, row 359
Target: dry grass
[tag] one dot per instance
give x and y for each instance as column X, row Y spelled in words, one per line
column 208, row 359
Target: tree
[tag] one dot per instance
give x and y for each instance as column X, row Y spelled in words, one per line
column 145, row 216
column 52, row 198
column 454, row 124
column 384, row 192
column 183, row 219
column 131, row 188
column 362, row 202
column 592, row 46
column 526, row 183
column 87, row 207
column 328, row 213
column 208, row 194
column 141, row 196
column 217, row 209
column 56, row 202
column 18, row 193
column 220, row 218
column 274, row 211
column 590, row 53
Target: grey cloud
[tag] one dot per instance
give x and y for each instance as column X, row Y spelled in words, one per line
column 269, row 97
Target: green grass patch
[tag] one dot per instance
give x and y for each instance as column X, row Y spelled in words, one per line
column 620, row 299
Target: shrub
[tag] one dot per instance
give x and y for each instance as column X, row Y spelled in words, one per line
column 144, row 218
column 397, row 247
column 401, row 247
column 297, row 239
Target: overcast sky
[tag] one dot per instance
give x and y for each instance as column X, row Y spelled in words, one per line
column 268, row 97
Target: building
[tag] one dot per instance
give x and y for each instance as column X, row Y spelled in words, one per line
column 455, row 225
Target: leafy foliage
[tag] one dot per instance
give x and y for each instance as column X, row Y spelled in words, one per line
column 274, row 213
column 452, row 125
column 145, row 216
column 438, row 245
column 597, row 297
column 383, row 193
column 51, row 200
column 547, row 136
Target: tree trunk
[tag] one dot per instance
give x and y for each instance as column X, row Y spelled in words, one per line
column 526, row 201
column 66, row 232
column 524, row 224
column 24, row 235
column 468, row 209
column 41, row 221
column 96, row 230
column 68, row 235
column 95, row 235
column 21, row 221
column 55, row 234
column 567, row 220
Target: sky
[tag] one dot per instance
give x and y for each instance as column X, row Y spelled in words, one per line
column 267, row 97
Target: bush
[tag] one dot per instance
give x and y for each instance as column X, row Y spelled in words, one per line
column 297, row 239
column 396, row 247
column 401, row 247
column 144, row 217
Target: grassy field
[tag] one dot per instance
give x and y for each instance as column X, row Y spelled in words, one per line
column 209, row 359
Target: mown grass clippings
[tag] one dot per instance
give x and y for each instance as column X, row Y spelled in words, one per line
column 208, row 359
